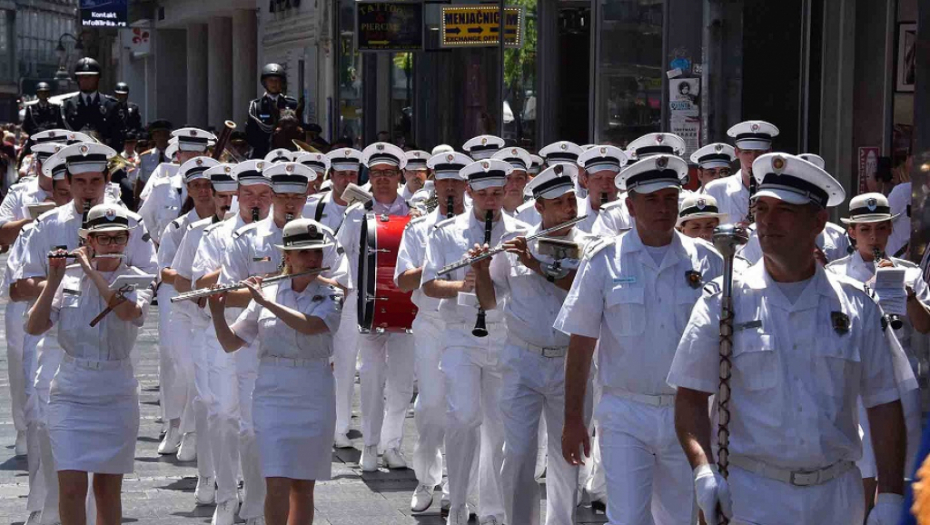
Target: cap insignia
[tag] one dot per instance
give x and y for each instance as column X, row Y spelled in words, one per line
column 754, row 127
column 380, row 147
column 563, row 146
column 260, row 165
column 289, row 168
column 110, row 214
column 193, row 132
column 778, row 163
column 227, row 169
column 485, row 165
column 311, row 229
column 662, row 162
column 872, row 203
column 701, row 204
column 660, row 138
column 450, row 157
column 484, row 141
column 718, row 148
column 200, row 162
column 85, row 150
column 603, row 151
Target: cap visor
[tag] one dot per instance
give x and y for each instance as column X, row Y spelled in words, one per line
column 756, row 145
column 788, row 196
column 484, row 184
column 652, row 187
column 698, row 216
column 304, row 246
column 870, row 218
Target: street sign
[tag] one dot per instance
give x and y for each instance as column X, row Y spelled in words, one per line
column 104, row 13
column 479, row 25
column 389, row 26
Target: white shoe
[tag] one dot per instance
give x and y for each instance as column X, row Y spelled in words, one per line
column 370, row 458
column 187, row 451
column 458, row 516
column 342, row 441
column 21, row 444
column 255, row 521
column 205, row 493
column 445, row 503
column 172, row 441
column 422, row 498
column 541, row 462
column 394, row 459
column 35, row 518
column 225, row 513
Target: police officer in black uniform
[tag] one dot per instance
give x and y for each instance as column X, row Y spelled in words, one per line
column 265, row 111
column 44, row 114
column 89, row 110
column 124, row 117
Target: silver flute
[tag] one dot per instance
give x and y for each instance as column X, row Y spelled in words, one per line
column 72, row 255
column 193, row 295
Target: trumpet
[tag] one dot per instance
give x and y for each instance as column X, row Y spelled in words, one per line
column 468, row 261
column 193, row 295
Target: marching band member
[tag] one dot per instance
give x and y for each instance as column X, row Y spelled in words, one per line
column 698, row 216
column 564, row 152
column 599, row 167
column 481, row 147
column 179, row 393
column 415, row 173
column 160, row 134
column 470, row 364
column 632, row 297
column 320, row 164
column 190, row 324
column 520, row 160
column 93, row 410
column 295, row 411
column 531, row 288
column 255, row 196
column 714, row 161
column 537, row 163
column 430, row 406
column 753, row 138
column 386, row 365
column 329, row 208
column 279, row 155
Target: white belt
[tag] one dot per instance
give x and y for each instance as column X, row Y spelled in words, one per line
column 544, row 351
column 798, row 478
column 294, row 362
column 93, row 364
column 662, row 400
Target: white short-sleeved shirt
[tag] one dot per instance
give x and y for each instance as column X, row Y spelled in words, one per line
column 15, row 205
column 325, row 211
column 636, row 308
column 12, row 270
column 349, row 234
column 798, row 368
column 77, row 301
column 832, row 241
column 531, row 303
column 732, row 196
column 276, row 338
column 163, row 171
column 900, row 202
column 171, row 238
column 209, row 255
column 854, row 267
column 149, row 162
column 183, row 261
column 59, row 227
column 613, row 218
column 163, row 204
column 411, row 254
column 448, row 243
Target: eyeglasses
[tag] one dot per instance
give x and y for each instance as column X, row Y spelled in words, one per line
column 106, row 240
column 382, row 173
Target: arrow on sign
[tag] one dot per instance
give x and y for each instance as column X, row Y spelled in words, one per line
column 453, row 30
column 474, row 30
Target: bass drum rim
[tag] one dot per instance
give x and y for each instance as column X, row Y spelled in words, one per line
column 367, row 258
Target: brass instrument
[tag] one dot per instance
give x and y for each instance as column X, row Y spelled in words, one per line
column 468, row 261
column 220, row 147
column 726, row 239
column 303, row 146
column 893, row 319
column 207, row 292
column 481, row 327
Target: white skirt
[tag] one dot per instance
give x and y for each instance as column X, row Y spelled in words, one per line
column 294, row 410
column 93, row 417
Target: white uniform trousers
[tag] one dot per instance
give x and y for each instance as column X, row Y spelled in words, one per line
column 188, row 345
column 592, row 477
column 762, row 501
column 649, row 479
column 13, row 322
column 429, row 410
column 34, row 423
column 223, row 416
column 385, row 374
column 534, row 385
column 471, row 371
column 173, row 391
column 181, row 342
column 232, row 382
column 345, row 359
column 49, row 357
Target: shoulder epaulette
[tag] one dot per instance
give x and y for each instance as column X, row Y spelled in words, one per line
column 416, row 220
column 443, row 223
column 594, row 247
column 610, row 205
column 146, row 152
column 133, row 215
column 355, row 206
column 212, row 227
column 853, row 285
column 47, row 214
column 526, row 205
column 241, row 231
column 712, row 288
column 904, row 262
column 202, row 223
column 176, row 223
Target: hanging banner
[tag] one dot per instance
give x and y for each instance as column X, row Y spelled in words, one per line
column 104, row 13
column 479, row 25
column 389, row 26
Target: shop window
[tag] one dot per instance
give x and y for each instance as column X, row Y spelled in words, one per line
column 520, row 94
column 348, row 118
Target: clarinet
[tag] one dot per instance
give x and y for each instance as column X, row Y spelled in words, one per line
column 255, row 217
column 288, row 217
column 604, row 200
column 751, row 215
column 893, row 319
column 481, row 328
column 450, row 207
column 87, row 205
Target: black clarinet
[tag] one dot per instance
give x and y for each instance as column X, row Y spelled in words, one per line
column 288, row 217
column 604, row 199
column 450, row 207
column 255, row 217
column 481, row 327
column 87, row 205
column 893, row 319
column 751, row 215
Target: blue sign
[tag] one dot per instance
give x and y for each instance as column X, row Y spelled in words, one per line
column 104, row 13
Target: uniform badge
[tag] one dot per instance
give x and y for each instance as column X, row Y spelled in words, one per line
column 871, row 204
column 754, row 127
column 450, row 157
column 380, row 147
column 662, row 162
column 718, row 148
column 289, row 168
column 564, row 146
column 484, row 141
column 701, row 204
column 603, row 151
column 199, row 162
column 485, row 165
column 778, row 163
column 103, row 110
column 260, row 165
column 660, row 139
column 110, row 214
column 85, row 150
column 694, row 279
column 840, row 322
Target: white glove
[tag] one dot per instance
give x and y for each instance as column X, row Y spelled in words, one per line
column 887, row 510
column 712, row 492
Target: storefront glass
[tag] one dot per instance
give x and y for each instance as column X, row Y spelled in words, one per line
column 520, row 93
column 348, row 120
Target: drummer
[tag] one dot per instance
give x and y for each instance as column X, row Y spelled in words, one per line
column 386, row 366
column 292, row 323
column 93, row 410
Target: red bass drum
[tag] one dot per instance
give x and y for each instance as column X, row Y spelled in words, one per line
column 382, row 306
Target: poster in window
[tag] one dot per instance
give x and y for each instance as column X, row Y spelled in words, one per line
column 907, row 47
column 683, row 97
column 389, row 26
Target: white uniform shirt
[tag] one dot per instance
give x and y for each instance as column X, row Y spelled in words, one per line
column 528, row 214
column 209, row 255
column 163, row 203
column 164, row 171
column 854, row 267
column 15, row 206
column 183, row 262
column 412, row 255
column 613, row 218
column 531, row 303
column 325, row 211
column 349, row 234
column 276, row 338
column 636, row 308
column 796, row 377
column 732, row 197
column 12, row 270
column 449, row 242
column 832, row 241
column 172, row 236
column 900, row 202
column 59, row 227
column 77, row 301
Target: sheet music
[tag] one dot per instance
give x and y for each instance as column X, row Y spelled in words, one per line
column 889, row 287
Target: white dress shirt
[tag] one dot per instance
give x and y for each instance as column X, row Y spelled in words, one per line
column 332, row 213
column 732, row 196
column 412, row 255
column 613, row 218
column 15, row 205
column 163, row 204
